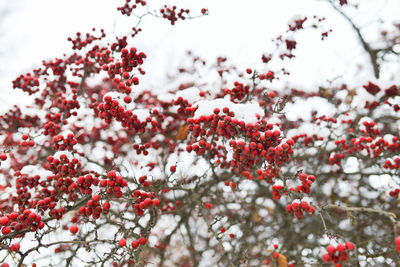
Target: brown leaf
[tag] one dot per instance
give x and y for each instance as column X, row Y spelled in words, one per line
column 271, row 210
column 256, row 217
column 182, row 132
column 350, row 96
column 282, row 261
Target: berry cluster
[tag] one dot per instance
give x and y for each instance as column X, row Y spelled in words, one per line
column 78, row 43
column 28, row 83
column 130, row 59
column 128, row 7
column 306, row 182
column 298, row 209
column 26, row 220
column 338, row 254
column 93, row 208
column 278, row 191
column 52, row 126
column 61, row 143
column 144, row 200
column 238, row 92
column 170, row 13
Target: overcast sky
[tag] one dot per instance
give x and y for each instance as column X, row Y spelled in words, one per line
column 242, row 30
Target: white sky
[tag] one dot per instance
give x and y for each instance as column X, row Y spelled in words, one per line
column 241, row 30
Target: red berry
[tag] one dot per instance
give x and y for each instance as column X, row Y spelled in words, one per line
column 326, row 257
column 6, row 230
column 106, row 205
column 172, row 169
column 350, row 245
column 341, row 248
column 304, row 205
column 112, row 174
column 331, row 249
column 142, row 241
column 125, row 75
column 135, row 244
column 4, row 220
column 311, row 210
column 122, row 242
column 15, row 247
column 156, row 202
column 73, row 229
column 127, row 99
column 148, row 202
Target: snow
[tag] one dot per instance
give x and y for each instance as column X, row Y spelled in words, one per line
column 33, row 170
column 191, row 94
column 246, row 112
column 142, row 114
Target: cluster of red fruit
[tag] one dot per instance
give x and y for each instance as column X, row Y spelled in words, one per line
column 26, row 143
column 27, row 83
column 78, row 43
column 135, row 243
column 263, row 142
column 112, row 109
column 52, row 126
column 128, row 7
column 61, row 143
column 93, row 208
column 171, row 13
column 267, row 76
column 238, row 92
column 338, row 254
column 306, row 182
column 113, row 184
column 26, row 220
column 144, row 200
column 373, row 89
column 63, row 167
column 130, row 59
column 278, row 191
column 299, row 208
column 308, row 140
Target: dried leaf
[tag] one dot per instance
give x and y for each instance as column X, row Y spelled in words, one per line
column 271, row 210
column 350, row 96
column 182, row 132
column 256, row 217
column 282, row 261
